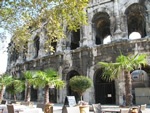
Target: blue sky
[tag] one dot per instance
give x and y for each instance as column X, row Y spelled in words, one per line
column 3, row 53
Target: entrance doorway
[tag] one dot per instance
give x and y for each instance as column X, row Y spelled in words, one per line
column 104, row 90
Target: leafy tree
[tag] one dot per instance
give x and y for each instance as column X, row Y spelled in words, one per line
column 80, row 84
column 124, row 64
column 16, row 86
column 21, row 18
column 5, row 80
column 45, row 79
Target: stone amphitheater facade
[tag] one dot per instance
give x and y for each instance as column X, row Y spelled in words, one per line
column 114, row 26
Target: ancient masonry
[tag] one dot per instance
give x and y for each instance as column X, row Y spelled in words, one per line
column 114, row 26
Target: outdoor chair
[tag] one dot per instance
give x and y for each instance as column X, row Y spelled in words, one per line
column 73, row 109
column 27, row 103
column 143, row 106
column 40, row 105
column 10, row 109
column 124, row 110
column 4, row 102
column 1, row 110
column 97, row 108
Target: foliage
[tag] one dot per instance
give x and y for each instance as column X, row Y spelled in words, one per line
column 29, row 81
column 124, row 64
column 5, row 80
column 80, row 84
column 45, row 79
column 128, row 63
column 17, row 86
column 29, row 77
column 21, row 18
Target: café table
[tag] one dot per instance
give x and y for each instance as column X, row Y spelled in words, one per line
column 22, row 108
column 112, row 110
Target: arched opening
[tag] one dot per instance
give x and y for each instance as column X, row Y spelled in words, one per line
column 33, row 94
column 54, row 44
column 53, row 95
column 104, row 90
column 69, row 91
column 136, row 19
column 101, row 25
column 75, row 38
column 140, row 79
column 36, row 46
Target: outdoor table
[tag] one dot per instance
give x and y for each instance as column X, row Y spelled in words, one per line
column 22, row 108
column 111, row 110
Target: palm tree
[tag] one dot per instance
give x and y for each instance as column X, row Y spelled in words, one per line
column 5, row 80
column 124, row 64
column 29, row 78
column 45, row 79
column 16, row 86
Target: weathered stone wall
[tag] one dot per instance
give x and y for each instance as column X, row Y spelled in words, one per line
column 84, row 59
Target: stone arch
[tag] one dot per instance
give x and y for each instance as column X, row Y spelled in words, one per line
column 71, row 74
column 101, row 25
column 136, row 20
column 104, row 90
column 140, row 79
column 73, row 40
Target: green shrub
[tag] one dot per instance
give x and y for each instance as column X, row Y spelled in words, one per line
column 80, row 84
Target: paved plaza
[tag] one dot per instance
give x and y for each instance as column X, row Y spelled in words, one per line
column 58, row 108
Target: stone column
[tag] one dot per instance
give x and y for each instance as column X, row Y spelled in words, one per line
column 59, row 47
column 30, row 50
column 85, row 32
column 42, row 40
column 120, row 89
column 86, row 39
column 118, row 32
column 148, row 23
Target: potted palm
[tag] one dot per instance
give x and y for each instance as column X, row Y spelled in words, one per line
column 80, row 84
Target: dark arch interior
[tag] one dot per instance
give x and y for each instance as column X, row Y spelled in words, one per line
column 136, row 19
column 69, row 91
column 101, row 25
column 75, row 38
column 104, row 90
column 36, row 45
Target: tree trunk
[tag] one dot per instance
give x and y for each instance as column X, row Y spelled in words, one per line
column 2, row 93
column 46, row 98
column 28, row 92
column 128, row 88
column 15, row 98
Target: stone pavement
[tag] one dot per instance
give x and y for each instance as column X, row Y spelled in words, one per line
column 58, row 108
